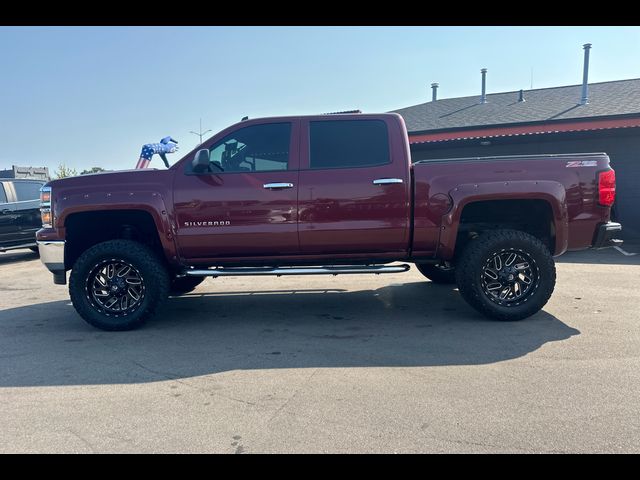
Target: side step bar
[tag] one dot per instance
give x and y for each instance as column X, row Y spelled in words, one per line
column 328, row 270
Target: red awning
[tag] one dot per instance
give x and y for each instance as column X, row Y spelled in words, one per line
column 514, row 130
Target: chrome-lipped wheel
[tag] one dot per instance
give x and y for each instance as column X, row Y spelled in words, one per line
column 115, row 287
column 509, row 277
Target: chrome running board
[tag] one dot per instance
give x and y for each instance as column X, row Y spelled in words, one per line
column 328, row 270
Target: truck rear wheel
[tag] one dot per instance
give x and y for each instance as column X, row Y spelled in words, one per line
column 441, row 273
column 506, row 274
column 118, row 285
column 182, row 285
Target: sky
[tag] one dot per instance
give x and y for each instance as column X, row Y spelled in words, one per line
column 92, row 96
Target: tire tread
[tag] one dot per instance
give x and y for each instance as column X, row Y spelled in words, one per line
column 157, row 280
column 466, row 272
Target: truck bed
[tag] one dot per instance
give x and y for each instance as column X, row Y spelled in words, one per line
column 568, row 182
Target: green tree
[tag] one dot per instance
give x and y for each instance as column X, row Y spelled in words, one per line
column 92, row 170
column 63, row 171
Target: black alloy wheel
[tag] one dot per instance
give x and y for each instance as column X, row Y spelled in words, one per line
column 510, row 277
column 115, row 287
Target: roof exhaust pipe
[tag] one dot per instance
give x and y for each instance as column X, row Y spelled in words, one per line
column 434, row 91
column 585, row 75
column 483, row 97
column 521, row 96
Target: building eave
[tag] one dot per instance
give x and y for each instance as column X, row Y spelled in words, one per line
column 531, row 128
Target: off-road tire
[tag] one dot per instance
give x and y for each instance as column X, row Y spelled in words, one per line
column 151, row 270
column 474, row 261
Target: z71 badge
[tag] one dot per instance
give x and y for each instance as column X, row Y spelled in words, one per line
column 582, row 163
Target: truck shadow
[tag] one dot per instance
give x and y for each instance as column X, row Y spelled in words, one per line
column 414, row 324
column 604, row 256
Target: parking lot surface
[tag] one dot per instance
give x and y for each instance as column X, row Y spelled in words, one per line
column 359, row 363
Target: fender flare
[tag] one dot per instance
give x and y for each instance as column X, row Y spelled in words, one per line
column 462, row 195
column 151, row 202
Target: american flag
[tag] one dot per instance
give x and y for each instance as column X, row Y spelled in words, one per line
column 167, row 145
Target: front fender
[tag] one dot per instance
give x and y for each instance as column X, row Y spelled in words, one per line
column 148, row 201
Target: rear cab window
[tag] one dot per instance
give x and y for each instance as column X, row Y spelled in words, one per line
column 348, row 144
column 27, row 191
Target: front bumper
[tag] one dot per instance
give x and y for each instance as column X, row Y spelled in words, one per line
column 52, row 256
column 605, row 235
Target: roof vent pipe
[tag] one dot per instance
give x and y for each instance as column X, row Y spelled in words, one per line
column 585, row 75
column 483, row 97
column 521, row 96
column 434, row 92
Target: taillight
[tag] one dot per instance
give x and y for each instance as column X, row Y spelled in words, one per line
column 45, row 207
column 607, row 187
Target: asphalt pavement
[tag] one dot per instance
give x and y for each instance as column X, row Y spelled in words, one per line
column 354, row 363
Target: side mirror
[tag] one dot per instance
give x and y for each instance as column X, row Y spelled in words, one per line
column 200, row 162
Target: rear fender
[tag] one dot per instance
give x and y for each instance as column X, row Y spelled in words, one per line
column 550, row 191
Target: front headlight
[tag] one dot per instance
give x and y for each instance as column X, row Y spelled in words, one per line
column 45, row 207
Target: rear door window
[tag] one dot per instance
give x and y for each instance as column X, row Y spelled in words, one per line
column 348, row 143
column 3, row 196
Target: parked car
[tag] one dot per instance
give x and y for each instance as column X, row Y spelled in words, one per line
column 327, row 194
column 19, row 213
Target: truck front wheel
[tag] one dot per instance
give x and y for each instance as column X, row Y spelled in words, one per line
column 118, row 285
column 506, row 274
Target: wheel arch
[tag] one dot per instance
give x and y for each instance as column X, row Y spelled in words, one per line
column 519, row 196
column 85, row 229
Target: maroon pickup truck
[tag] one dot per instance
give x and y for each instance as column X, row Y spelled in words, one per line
column 326, row 194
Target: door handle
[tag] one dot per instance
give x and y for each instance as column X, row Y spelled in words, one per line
column 272, row 186
column 387, row 181
column 5, row 212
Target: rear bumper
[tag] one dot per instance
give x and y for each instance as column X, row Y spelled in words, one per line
column 52, row 256
column 605, row 235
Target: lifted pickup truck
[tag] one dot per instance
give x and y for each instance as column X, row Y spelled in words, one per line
column 326, row 194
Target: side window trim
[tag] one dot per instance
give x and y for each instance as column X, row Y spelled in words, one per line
column 3, row 194
column 10, row 191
